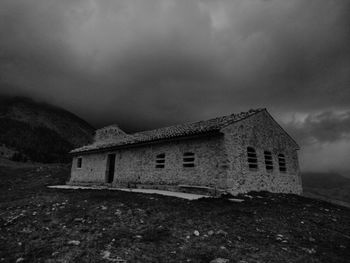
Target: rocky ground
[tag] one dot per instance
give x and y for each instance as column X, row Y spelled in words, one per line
column 38, row 224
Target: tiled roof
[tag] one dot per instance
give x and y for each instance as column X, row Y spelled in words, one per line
column 181, row 130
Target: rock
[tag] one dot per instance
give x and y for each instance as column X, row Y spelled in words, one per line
column 105, row 254
column 74, row 242
column 279, row 237
column 220, row 260
column 103, row 207
column 309, row 250
column 210, row 232
column 78, row 219
column 27, row 230
column 19, row 260
column 118, row 212
column 221, row 232
column 196, row 233
column 236, row 200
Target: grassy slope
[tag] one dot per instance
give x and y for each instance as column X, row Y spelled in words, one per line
column 328, row 185
column 40, row 144
column 37, row 223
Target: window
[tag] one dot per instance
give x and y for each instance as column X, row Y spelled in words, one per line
column 160, row 160
column 268, row 161
column 188, row 159
column 282, row 163
column 79, row 162
column 252, row 158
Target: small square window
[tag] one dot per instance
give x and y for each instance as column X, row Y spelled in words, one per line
column 188, row 159
column 160, row 160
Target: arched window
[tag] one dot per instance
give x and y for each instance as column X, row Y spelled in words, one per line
column 282, row 163
column 188, row 159
column 268, row 161
column 160, row 160
column 252, row 158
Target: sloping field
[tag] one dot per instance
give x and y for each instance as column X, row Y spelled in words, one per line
column 39, row 224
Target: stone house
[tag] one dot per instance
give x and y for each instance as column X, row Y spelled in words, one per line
column 238, row 153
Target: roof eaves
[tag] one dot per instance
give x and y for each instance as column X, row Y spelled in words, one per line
column 136, row 144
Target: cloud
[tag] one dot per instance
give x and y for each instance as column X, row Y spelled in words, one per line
column 325, row 140
column 323, row 127
column 326, row 157
column 146, row 64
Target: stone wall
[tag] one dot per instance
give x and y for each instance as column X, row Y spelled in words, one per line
column 137, row 165
column 262, row 133
column 93, row 169
column 109, row 133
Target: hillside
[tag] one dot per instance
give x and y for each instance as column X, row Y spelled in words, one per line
column 40, row 131
column 328, row 185
column 49, row 225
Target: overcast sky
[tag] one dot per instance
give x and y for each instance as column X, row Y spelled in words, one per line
column 146, row 64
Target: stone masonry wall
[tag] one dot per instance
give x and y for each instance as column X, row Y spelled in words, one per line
column 93, row 169
column 136, row 165
column 262, row 133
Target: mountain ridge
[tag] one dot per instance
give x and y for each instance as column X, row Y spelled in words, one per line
column 40, row 131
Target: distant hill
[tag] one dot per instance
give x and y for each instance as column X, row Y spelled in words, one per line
column 329, row 185
column 40, row 131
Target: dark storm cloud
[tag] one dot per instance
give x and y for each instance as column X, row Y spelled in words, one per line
column 324, row 127
column 145, row 64
column 325, row 140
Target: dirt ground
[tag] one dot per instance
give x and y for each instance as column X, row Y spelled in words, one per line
column 38, row 224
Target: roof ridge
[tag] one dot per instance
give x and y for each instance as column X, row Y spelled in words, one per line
column 253, row 111
column 175, row 131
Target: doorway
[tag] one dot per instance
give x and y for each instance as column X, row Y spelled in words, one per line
column 110, row 168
